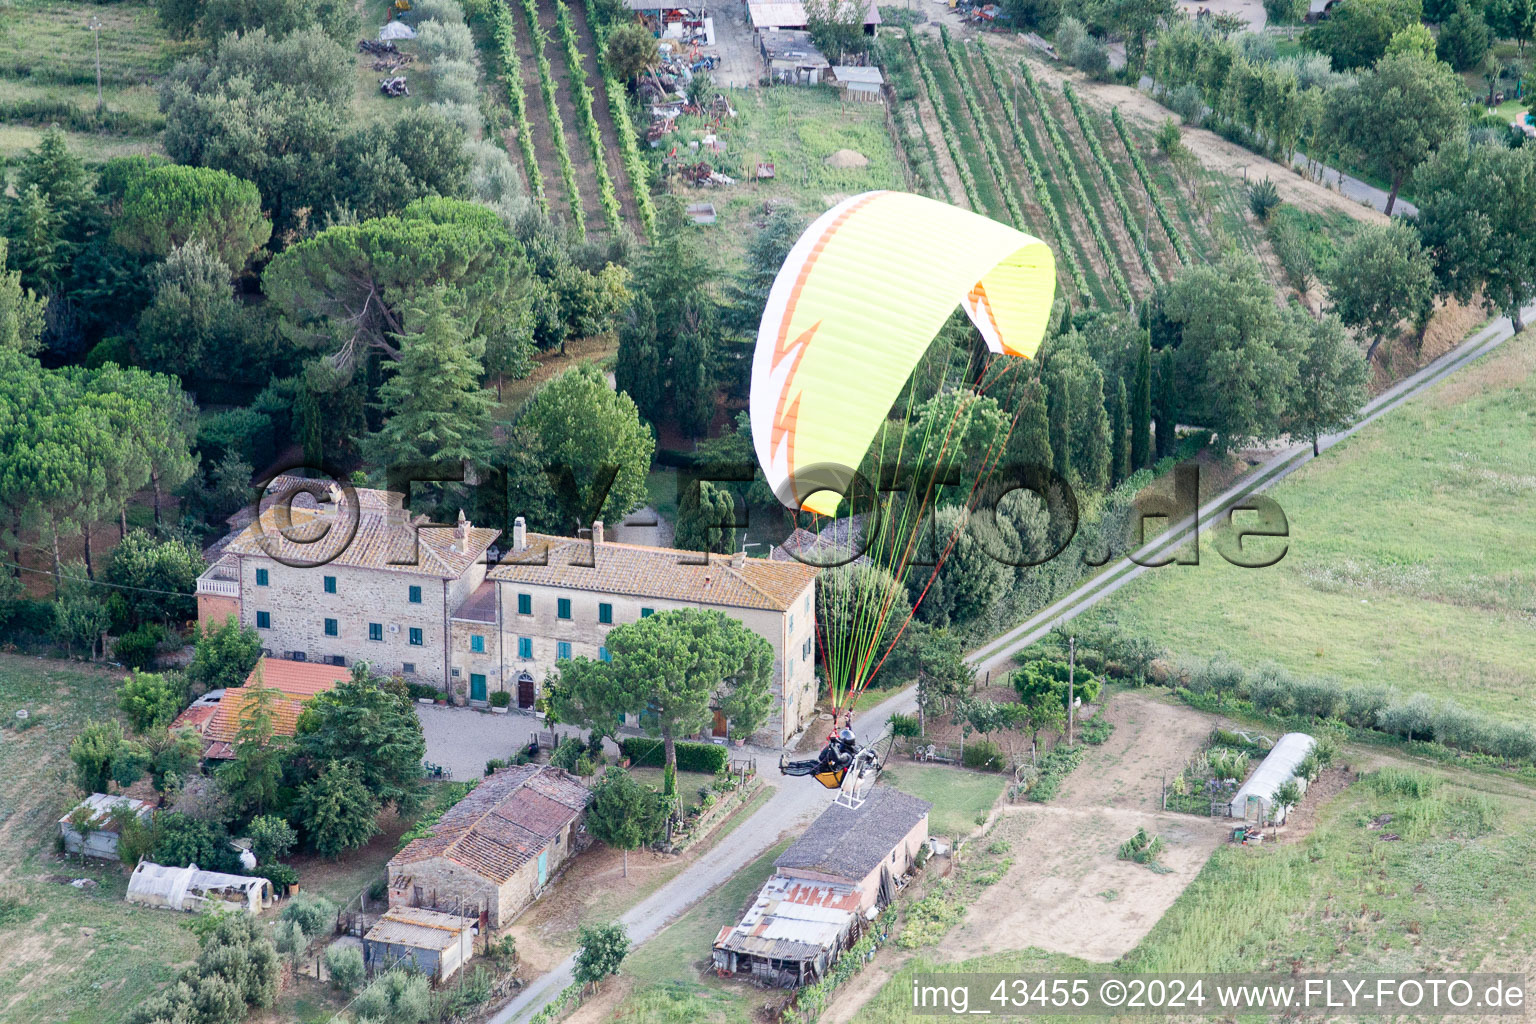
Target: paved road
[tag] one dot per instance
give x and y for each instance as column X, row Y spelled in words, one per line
column 1354, row 188
column 793, row 805
column 999, row 652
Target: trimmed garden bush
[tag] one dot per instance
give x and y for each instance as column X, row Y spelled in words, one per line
column 691, row 757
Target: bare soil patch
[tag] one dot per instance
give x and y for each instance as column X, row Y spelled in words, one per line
column 1151, row 739
column 1067, row 892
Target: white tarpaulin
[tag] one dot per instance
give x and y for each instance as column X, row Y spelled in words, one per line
column 397, row 30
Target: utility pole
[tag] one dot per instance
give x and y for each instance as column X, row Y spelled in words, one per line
column 95, row 27
column 1071, row 687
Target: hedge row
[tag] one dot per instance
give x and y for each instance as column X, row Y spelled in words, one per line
column 1112, row 180
column 1064, row 241
column 979, row 119
column 629, row 144
column 1169, row 226
column 946, row 126
column 1090, row 211
column 581, row 96
column 691, row 757
column 556, row 125
column 509, row 67
column 1274, row 692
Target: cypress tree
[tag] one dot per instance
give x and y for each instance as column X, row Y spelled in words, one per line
column 1060, row 416
column 1117, row 450
column 1141, row 407
column 1167, row 406
column 1029, row 443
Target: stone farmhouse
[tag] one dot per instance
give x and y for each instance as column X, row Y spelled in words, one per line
column 341, row 576
column 492, row 853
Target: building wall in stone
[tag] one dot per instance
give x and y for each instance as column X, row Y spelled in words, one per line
column 441, row 884
column 296, row 600
column 791, row 634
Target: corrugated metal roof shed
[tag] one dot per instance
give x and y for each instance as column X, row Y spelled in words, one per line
column 847, row 73
column 792, row 919
column 101, row 806
column 420, row 928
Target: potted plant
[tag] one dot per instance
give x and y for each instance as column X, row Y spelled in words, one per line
column 501, row 701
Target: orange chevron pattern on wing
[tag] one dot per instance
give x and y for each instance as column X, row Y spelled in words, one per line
column 978, row 297
column 787, row 412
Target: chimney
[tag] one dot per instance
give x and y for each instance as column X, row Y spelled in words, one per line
column 738, row 559
column 519, row 533
column 597, row 532
column 461, row 533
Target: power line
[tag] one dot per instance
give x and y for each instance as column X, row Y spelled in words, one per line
column 97, row 583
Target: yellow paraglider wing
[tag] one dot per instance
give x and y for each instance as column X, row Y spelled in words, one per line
column 857, row 302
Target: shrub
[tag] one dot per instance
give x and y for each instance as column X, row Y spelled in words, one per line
column 271, row 837
column 151, row 700
column 905, row 726
column 345, row 966
column 281, row 876
column 501, row 699
column 313, row 914
column 1187, row 102
column 398, row 997
column 983, row 755
column 1091, row 57
column 495, row 764
column 288, row 937
column 1263, row 197
column 1317, row 697
column 1227, row 763
column 1095, row 730
column 1141, row 848
column 137, row 649
column 567, row 753
column 1294, row 255
column 1402, row 782
column 691, row 757
column 1216, row 674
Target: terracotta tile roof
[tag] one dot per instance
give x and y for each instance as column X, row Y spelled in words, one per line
column 479, row 606
column 309, row 534
column 295, row 683
column 504, row 822
column 638, row 571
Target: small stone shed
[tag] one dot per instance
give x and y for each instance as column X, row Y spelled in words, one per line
column 102, row 842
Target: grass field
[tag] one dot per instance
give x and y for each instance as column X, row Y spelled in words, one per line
column 1409, row 561
column 81, row 956
column 48, row 54
column 1451, row 894
column 796, row 129
column 669, row 986
column 959, row 797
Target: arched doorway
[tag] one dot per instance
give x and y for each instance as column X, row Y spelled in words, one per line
column 526, row 692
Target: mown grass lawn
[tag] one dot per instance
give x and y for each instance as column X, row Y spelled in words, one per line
column 959, row 797
column 1452, row 894
column 1410, row 561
